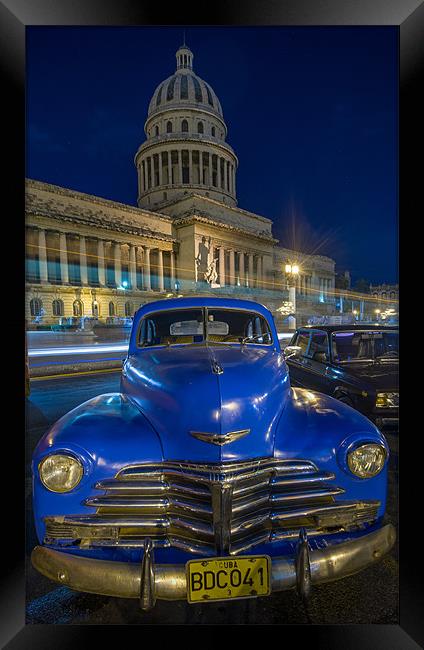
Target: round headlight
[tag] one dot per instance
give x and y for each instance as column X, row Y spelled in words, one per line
column 366, row 461
column 60, row 473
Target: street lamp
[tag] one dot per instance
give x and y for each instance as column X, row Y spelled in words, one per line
column 355, row 313
column 292, row 271
column 377, row 311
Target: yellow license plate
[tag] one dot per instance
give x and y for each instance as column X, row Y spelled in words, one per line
column 223, row 578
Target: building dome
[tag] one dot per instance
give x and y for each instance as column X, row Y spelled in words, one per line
column 185, row 148
column 184, row 88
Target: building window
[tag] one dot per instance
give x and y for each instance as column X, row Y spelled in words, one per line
column 184, row 88
column 169, row 127
column 210, row 100
column 57, row 306
column 200, row 128
column 77, row 308
column 156, row 130
column 129, row 309
column 159, row 96
column 95, row 309
column 197, row 90
column 170, row 90
column 184, row 126
column 213, row 131
column 35, row 307
column 111, row 309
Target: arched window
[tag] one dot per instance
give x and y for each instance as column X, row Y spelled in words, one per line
column 213, row 131
column 169, row 127
column 57, row 306
column 77, row 308
column 383, row 294
column 95, row 309
column 35, row 306
column 156, row 130
column 129, row 309
column 200, row 128
column 184, row 126
column 111, row 309
column 392, row 294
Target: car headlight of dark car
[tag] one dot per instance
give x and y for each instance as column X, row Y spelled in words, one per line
column 387, row 400
column 367, row 460
column 60, row 472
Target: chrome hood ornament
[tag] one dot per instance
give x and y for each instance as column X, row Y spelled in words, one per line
column 219, row 438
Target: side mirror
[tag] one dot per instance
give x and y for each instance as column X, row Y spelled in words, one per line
column 292, row 351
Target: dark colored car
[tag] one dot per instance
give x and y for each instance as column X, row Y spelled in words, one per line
column 357, row 364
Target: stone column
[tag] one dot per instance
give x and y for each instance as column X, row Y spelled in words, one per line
column 233, row 178
column 250, row 270
column 160, row 167
column 241, row 270
column 133, row 268
column 180, row 166
column 232, row 268
column 222, row 266
column 118, row 268
column 201, row 167
column 190, row 167
column 146, row 271
column 83, row 261
column 101, row 262
column 64, row 272
column 42, row 257
column 218, row 171
column 169, row 168
column 172, row 270
column 259, row 272
column 160, row 270
column 210, row 170
column 146, row 184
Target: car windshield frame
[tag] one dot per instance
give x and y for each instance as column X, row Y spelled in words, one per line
column 373, row 359
column 205, row 341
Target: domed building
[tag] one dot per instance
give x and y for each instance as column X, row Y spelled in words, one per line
column 185, row 148
column 89, row 256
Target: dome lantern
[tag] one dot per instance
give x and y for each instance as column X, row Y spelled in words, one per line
column 184, row 58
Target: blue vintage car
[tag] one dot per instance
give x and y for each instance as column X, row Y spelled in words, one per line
column 207, row 477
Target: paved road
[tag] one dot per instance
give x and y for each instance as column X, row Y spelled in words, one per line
column 369, row 597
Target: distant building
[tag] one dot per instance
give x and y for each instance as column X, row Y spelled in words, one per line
column 385, row 292
column 89, row 256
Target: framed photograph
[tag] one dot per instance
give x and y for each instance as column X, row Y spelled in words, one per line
column 210, row 222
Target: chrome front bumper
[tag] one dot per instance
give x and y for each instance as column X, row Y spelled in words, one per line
column 150, row 581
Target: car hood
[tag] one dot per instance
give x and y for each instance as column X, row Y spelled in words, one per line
column 177, row 389
column 380, row 375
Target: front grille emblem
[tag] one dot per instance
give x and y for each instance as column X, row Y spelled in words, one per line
column 219, row 438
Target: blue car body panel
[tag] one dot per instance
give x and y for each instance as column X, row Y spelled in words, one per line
column 167, row 392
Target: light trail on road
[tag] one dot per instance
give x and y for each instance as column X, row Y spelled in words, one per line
column 90, row 349
column 83, row 349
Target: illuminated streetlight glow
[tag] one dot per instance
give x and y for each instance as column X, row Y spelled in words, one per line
column 295, row 269
column 288, row 268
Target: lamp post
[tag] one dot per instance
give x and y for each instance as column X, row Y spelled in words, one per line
column 292, row 272
column 377, row 312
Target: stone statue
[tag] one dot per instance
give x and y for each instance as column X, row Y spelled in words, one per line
column 211, row 274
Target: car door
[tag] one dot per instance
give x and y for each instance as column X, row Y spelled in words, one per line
column 315, row 362
column 296, row 364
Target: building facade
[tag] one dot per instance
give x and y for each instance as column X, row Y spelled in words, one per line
column 93, row 257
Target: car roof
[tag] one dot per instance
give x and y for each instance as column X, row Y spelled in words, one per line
column 343, row 328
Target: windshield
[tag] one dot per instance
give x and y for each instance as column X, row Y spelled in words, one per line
column 365, row 346
column 188, row 326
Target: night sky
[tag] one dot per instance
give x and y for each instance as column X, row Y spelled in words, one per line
column 311, row 114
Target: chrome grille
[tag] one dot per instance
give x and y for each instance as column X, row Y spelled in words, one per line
column 211, row 509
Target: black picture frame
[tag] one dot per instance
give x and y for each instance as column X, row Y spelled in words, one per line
column 15, row 16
